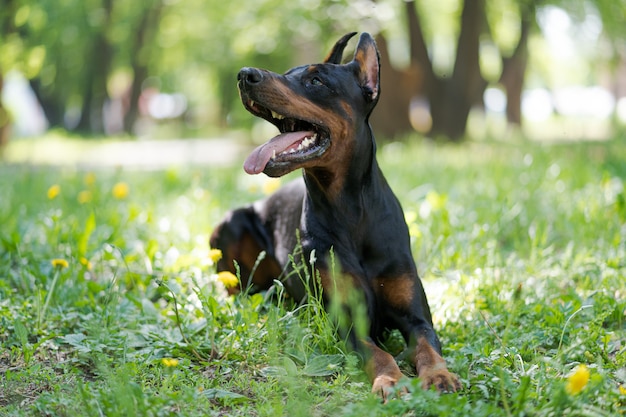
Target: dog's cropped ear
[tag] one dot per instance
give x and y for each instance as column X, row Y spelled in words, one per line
column 368, row 61
column 334, row 57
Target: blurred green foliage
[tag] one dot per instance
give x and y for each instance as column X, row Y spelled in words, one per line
column 79, row 55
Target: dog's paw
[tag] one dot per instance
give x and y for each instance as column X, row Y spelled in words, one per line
column 384, row 387
column 442, row 379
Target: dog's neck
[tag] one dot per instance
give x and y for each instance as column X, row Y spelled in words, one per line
column 350, row 187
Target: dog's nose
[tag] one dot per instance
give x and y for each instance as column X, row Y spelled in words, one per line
column 250, row 75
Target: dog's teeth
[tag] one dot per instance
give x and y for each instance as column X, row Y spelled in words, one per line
column 307, row 142
column 303, row 145
column 277, row 116
column 274, row 154
column 251, row 103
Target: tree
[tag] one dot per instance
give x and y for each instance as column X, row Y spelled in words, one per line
column 70, row 80
column 7, row 38
column 82, row 44
column 192, row 46
column 97, row 70
column 514, row 66
column 73, row 50
column 450, row 98
column 141, row 50
column 399, row 86
column 4, row 120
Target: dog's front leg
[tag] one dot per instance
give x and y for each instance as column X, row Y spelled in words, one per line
column 383, row 370
column 406, row 306
column 431, row 368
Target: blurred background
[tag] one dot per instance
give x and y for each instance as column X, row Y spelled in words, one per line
column 452, row 69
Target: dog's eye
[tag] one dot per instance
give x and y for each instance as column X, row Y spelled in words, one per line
column 316, row 81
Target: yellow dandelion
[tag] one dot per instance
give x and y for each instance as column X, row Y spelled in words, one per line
column 437, row 201
column 90, row 179
column 54, row 191
column 577, row 381
column 120, row 190
column 85, row 262
column 84, row 197
column 227, row 278
column 59, row 263
column 622, row 390
column 169, row 362
column 271, row 185
column 215, row 255
column 410, row 216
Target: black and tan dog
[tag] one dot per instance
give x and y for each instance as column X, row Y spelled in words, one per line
column 343, row 204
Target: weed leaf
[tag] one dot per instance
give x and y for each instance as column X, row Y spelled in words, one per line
column 21, row 332
column 323, row 365
column 287, row 368
column 273, row 371
column 224, row 396
column 76, row 340
column 90, row 225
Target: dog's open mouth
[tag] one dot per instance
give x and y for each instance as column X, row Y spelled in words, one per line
column 299, row 141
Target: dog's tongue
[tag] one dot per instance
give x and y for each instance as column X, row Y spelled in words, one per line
column 258, row 159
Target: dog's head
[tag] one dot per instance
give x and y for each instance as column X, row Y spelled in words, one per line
column 320, row 110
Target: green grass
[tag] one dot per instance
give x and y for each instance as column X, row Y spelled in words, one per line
column 522, row 248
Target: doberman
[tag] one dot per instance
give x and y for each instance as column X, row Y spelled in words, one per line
column 342, row 205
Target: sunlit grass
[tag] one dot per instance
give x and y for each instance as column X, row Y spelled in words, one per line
column 110, row 304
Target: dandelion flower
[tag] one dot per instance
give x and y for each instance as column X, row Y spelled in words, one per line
column 227, row 278
column 120, row 190
column 90, row 179
column 54, row 191
column 437, row 201
column 577, row 381
column 215, row 255
column 622, row 390
column 84, row 197
column 59, row 263
column 85, row 262
column 271, row 185
column 169, row 362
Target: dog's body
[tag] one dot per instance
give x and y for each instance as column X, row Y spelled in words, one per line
column 343, row 205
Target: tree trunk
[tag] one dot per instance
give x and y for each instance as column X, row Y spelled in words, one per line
column 228, row 93
column 52, row 107
column 514, row 70
column 91, row 118
column 391, row 119
column 417, row 44
column 451, row 99
column 4, row 120
column 6, row 28
column 140, row 59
